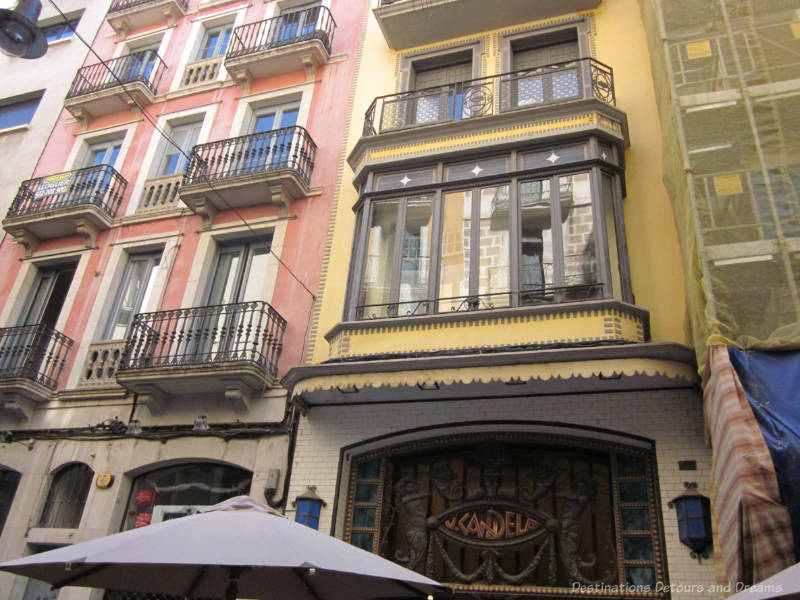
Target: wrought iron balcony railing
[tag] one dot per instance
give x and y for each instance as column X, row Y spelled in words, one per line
column 551, row 84
column 209, row 335
column 287, row 148
column 119, row 5
column 314, row 23
column 100, row 186
column 533, row 295
column 145, row 67
column 34, row 352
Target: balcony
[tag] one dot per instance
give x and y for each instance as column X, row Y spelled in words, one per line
column 548, row 101
column 296, row 40
column 80, row 202
column 31, row 360
column 128, row 15
column 98, row 90
column 269, row 167
column 230, row 349
column 409, row 23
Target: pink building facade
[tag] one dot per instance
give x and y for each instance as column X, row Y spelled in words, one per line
column 161, row 266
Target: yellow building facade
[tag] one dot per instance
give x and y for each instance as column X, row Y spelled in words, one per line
column 501, row 327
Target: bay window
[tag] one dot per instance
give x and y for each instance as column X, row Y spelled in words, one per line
column 519, row 229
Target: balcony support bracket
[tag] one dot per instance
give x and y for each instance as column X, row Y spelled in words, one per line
column 25, row 239
column 244, row 79
column 88, row 231
column 281, row 198
column 81, row 116
column 310, row 64
column 17, row 406
column 153, row 398
column 171, row 15
column 238, row 395
column 206, row 209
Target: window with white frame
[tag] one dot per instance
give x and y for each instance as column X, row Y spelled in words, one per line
column 215, row 41
column 175, row 153
column 133, row 293
column 66, row 498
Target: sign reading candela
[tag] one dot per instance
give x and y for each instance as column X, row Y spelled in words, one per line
column 53, row 185
column 496, row 524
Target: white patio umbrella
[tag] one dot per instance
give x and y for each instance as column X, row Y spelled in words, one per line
column 236, row 548
column 784, row 585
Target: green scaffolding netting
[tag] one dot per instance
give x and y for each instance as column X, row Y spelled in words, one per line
column 727, row 79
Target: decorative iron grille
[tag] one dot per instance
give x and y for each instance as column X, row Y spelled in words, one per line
column 34, row 352
column 119, row 5
column 244, row 332
column 100, row 186
column 287, row 148
column 314, row 23
column 145, row 66
column 483, row 513
column 579, row 292
column 550, row 84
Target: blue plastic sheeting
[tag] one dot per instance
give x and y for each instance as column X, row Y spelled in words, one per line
column 771, row 381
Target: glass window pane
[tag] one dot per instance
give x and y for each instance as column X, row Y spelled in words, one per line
column 694, row 507
column 416, row 254
column 390, row 181
column 370, row 469
column 364, row 517
column 635, row 519
column 633, row 491
column 552, row 157
column 607, row 184
column 366, row 492
column 18, row 113
column 494, row 247
column 697, row 527
column 644, row 576
column 476, row 168
column 455, row 263
column 577, row 226
column 638, row 548
column 362, row 540
column 256, row 276
column 536, row 239
column 135, row 290
column 377, row 282
column 630, row 466
column 9, row 480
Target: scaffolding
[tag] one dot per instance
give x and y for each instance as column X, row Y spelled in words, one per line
column 727, row 77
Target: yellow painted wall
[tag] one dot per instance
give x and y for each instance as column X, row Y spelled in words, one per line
column 618, row 39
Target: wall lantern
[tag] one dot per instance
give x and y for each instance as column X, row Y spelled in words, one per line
column 19, row 34
column 309, row 506
column 694, row 520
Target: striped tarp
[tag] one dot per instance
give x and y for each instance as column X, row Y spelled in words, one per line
column 754, row 531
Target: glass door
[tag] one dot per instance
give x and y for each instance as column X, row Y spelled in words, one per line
column 270, row 145
column 239, row 276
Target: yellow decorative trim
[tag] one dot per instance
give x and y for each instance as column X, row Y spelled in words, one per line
column 536, row 128
column 490, row 374
column 410, row 336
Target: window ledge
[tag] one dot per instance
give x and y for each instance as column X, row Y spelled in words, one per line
column 52, row 536
column 15, row 129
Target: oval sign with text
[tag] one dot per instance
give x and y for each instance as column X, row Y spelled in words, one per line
column 496, row 524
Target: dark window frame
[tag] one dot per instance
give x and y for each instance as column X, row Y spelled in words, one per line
column 68, row 490
column 515, row 175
